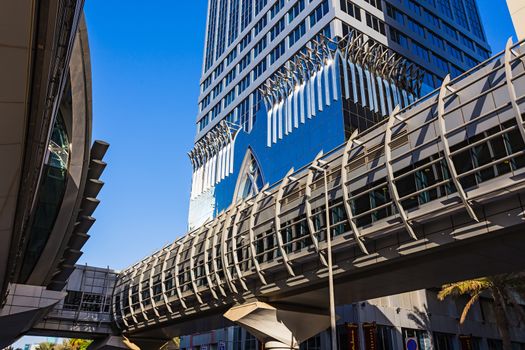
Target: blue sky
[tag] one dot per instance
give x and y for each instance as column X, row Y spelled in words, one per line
column 146, row 61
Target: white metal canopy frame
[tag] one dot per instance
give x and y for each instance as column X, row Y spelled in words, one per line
column 432, row 146
column 309, row 81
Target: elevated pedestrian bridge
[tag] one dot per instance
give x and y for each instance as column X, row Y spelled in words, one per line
column 433, row 194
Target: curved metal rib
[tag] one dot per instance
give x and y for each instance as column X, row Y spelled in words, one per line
column 277, row 220
column 152, row 272
column 235, row 231
column 390, row 174
column 114, row 308
column 131, row 310
column 511, row 89
column 225, row 266
column 180, row 246
column 214, row 255
column 259, row 197
column 163, row 276
column 193, row 248
column 124, row 320
column 308, row 208
column 446, row 149
column 209, row 231
column 346, row 195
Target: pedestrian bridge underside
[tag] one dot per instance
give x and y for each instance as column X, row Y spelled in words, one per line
column 434, row 194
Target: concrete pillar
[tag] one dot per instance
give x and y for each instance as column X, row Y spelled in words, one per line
column 517, row 12
column 280, row 327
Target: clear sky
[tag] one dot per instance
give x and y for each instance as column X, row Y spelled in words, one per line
column 146, row 62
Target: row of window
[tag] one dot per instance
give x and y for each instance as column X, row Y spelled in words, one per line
column 218, row 15
column 297, row 33
column 426, row 34
column 463, row 12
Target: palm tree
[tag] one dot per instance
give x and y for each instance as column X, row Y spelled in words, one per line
column 502, row 288
column 45, row 346
column 74, row 344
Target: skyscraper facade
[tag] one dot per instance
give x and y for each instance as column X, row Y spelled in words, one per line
column 283, row 80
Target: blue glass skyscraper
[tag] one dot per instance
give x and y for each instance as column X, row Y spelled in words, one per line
column 285, row 79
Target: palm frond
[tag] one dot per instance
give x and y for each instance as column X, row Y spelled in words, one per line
column 469, row 287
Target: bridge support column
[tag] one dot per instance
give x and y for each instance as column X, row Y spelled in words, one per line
column 279, row 327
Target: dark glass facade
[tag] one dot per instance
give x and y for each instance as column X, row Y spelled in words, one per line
column 52, row 188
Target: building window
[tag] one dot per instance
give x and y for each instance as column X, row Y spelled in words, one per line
column 259, row 5
column 394, row 13
column 234, row 21
column 449, row 31
column 295, row 10
column 221, row 34
column 431, row 19
column 444, row 341
column 351, row 8
column 459, row 13
column 259, row 69
column 375, row 23
column 274, row 10
column 415, row 8
column 375, row 3
column 473, row 16
column 259, row 26
column 297, row 33
column 246, row 14
column 398, row 37
column 245, row 61
column 444, row 7
column 259, row 47
column 436, row 40
column 319, row 13
column 454, row 52
column 231, row 56
column 245, row 41
column 277, row 52
column 416, row 27
column 210, row 41
column 277, row 28
column 420, row 51
column 439, row 62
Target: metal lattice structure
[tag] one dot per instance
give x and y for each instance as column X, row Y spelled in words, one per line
column 424, row 162
column 328, row 70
